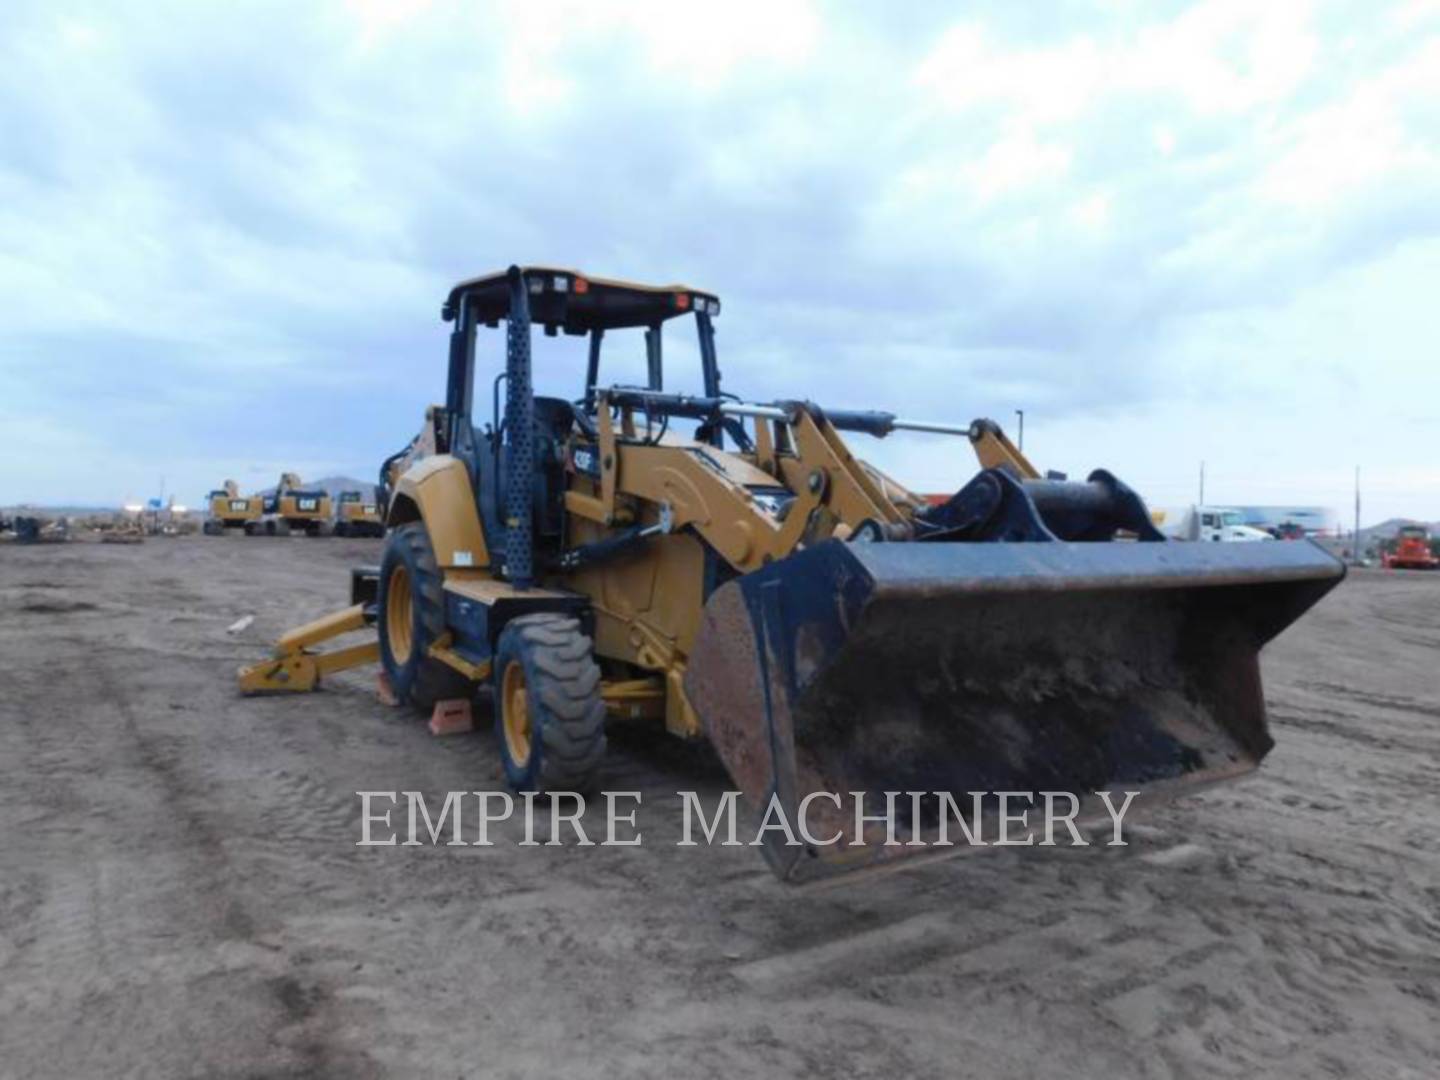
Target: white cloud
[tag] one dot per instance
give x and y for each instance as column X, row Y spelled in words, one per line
column 1362, row 140
column 1047, row 85
column 1224, row 56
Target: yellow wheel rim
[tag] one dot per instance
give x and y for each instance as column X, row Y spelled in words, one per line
column 514, row 700
column 398, row 615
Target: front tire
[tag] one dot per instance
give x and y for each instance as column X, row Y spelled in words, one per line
column 410, row 615
column 549, row 716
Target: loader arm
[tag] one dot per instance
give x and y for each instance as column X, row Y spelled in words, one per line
column 710, row 491
column 835, row 492
column 994, row 450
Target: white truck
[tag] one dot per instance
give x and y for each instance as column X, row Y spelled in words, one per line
column 1217, row 523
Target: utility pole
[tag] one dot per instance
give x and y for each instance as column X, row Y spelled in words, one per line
column 1355, row 545
column 1021, row 414
column 1202, row 483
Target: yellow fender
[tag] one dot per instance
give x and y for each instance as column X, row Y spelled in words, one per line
column 437, row 491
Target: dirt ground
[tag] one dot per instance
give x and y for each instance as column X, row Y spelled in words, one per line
column 181, row 894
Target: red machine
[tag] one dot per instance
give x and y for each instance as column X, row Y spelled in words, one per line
column 1412, row 550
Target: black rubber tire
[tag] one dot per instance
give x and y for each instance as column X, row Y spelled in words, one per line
column 341, row 529
column 420, row 680
column 251, row 528
column 567, row 714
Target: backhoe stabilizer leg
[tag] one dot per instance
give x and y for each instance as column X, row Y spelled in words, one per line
column 293, row 668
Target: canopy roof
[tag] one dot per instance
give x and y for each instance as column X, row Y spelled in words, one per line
column 577, row 303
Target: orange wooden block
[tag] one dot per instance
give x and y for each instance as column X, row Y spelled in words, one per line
column 451, row 717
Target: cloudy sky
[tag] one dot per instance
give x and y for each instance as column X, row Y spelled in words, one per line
column 1170, row 233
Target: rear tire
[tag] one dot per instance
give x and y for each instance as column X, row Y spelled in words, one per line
column 549, row 716
column 410, row 615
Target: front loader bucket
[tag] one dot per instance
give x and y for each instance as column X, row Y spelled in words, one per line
column 986, row 667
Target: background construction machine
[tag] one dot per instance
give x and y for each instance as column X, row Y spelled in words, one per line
column 757, row 584
column 356, row 517
column 1412, row 550
column 33, row 529
column 292, row 508
column 229, row 509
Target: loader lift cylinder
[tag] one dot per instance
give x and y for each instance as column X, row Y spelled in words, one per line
column 519, row 438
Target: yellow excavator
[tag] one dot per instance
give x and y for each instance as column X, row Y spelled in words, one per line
column 356, row 517
column 292, row 507
column 583, row 561
column 231, row 510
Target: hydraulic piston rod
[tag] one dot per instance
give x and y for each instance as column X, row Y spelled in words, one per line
column 875, row 423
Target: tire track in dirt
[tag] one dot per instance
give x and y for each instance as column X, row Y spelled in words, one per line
column 304, row 1003
column 1343, row 727
column 1396, row 702
column 211, row 904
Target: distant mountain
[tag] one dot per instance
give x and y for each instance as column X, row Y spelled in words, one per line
column 331, row 485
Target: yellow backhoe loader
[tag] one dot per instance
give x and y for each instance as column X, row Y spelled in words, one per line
column 231, row 510
column 292, row 507
column 756, row 584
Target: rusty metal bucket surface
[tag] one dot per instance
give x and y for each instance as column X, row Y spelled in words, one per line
column 960, row 668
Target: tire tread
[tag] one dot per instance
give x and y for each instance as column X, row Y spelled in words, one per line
column 565, row 683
